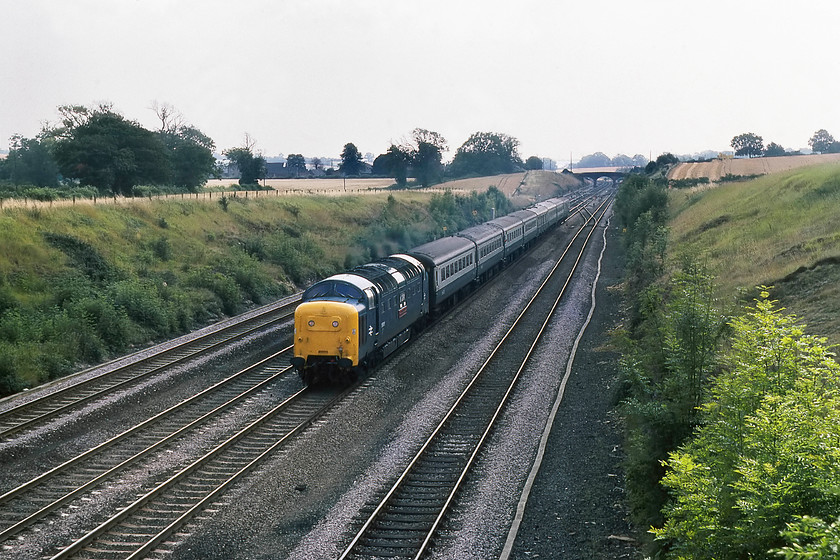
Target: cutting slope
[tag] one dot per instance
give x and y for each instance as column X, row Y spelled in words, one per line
column 780, row 230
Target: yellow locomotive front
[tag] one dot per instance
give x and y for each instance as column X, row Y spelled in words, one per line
column 326, row 341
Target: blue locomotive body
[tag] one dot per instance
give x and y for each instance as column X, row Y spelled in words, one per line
column 348, row 322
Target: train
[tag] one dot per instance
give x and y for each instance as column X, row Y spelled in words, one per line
column 349, row 322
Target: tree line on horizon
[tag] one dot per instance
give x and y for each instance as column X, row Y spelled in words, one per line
column 751, row 144
column 96, row 150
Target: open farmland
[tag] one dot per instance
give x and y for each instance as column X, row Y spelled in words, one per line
column 531, row 184
column 718, row 168
column 322, row 184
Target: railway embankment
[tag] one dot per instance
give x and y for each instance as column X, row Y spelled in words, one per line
column 80, row 284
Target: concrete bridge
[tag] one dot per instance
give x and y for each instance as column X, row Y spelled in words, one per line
column 615, row 174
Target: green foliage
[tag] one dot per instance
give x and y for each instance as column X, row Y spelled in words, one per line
column 642, row 209
column 768, row 451
column 687, row 183
column 456, row 212
column 351, row 160
column 821, row 141
column 637, row 195
column 426, row 155
column 190, row 154
column 810, row 538
column 251, row 167
column 534, row 163
column 83, row 255
column 666, row 370
column 748, row 144
column 486, row 153
column 774, row 150
column 296, row 164
column 112, row 154
column 29, row 163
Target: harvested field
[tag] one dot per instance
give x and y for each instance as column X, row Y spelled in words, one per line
column 505, row 183
column 718, row 168
column 339, row 184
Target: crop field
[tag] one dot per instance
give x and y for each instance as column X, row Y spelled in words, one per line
column 322, row 184
column 718, row 168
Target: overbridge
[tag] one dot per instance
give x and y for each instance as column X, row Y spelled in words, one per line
column 614, row 174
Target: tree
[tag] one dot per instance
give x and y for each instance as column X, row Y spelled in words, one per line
column 821, row 141
column 110, row 153
column 351, row 160
column 190, row 150
column 598, row 159
column 296, row 164
column 773, row 150
column 534, row 162
column 426, row 155
column 317, row 164
column 748, row 144
column 487, row 153
column 251, row 167
column 29, row 163
column 395, row 163
column 661, row 161
column 190, row 156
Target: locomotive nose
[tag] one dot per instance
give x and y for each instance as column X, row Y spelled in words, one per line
column 326, row 335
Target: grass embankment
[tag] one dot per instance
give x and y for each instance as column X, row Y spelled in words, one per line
column 84, row 283
column 780, row 230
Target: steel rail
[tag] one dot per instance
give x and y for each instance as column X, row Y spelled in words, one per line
column 221, row 454
column 388, row 498
column 205, row 343
column 148, row 450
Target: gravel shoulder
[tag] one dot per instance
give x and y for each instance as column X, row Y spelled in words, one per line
column 577, row 508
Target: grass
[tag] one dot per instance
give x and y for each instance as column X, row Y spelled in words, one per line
column 79, row 284
column 83, row 283
column 781, row 230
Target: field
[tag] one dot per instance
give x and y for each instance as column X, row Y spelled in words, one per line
column 529, row 184
column 304, row 185
column 718, row 168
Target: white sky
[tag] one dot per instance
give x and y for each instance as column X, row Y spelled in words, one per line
column 307, row 76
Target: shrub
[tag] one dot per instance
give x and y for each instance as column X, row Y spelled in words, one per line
column 82, row 255
column 142, row 304
column 768, row 451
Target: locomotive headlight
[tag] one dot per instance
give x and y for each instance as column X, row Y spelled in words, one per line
column 335, row 324
column 311, row 323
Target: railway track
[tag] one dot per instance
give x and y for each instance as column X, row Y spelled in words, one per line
column 70, row 484
column 139, row 528
column 39, row 411
column 406, row 518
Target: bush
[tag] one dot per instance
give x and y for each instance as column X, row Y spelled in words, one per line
column 142, row 305
column 82, row 255
column 223, row 288
column 768, row 452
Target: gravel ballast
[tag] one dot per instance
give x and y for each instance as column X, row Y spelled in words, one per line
column 300, row 503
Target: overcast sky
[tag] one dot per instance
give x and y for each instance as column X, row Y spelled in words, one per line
column 307, row 76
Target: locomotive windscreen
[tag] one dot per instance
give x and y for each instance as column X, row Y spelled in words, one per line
column 333, row 289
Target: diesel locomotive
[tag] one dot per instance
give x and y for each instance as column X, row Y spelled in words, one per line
column 349, row 322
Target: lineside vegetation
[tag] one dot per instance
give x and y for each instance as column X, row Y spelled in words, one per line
column 85, row 283
column 733, row 449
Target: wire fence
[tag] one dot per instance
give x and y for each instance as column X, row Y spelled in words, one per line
column 208, row 196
